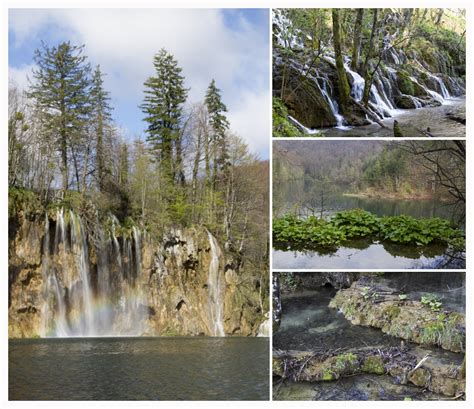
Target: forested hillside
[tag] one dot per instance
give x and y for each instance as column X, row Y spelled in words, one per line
column 352, row 67
column 66, row 149
column 378, row 169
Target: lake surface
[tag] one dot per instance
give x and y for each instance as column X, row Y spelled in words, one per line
column 179, row 368
column 409, row 119
column 363, row 253
column 371, row 256
column 294, row 195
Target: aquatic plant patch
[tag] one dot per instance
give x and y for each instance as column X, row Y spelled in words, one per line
column 357, row 223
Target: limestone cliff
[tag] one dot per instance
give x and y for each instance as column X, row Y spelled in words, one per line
column 69, row 277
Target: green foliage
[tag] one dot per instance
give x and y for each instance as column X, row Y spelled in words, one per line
column 353, row 224
column 61, row 93
column 22, row 200
column 431, row 301
column 282, row 127
column 408, row 230
column 402, row 297
column 356, row 223
column 163, row 106
column 440, row 39
column 219, row 124
column 293, row 229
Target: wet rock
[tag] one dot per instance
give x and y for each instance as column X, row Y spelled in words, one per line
column 405, row 367
column 303, row 97
column 173, row 278
column 406, row 319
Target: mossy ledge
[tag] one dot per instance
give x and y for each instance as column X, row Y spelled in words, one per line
column 404, row 318
column 405, row 367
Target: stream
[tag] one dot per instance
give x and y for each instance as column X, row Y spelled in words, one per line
column 307, row 323
column 434, row 118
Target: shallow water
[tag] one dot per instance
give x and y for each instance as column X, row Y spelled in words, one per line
column 307, row 323
column 362, row 387
column 139, row 369
column 409, row 119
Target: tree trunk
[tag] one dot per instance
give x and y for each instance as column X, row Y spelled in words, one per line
column 197, row 159
column 179, row 160
column 100, row 153
column 357, row 39
column 366, row 73
column 344, row 90
column 64, row 164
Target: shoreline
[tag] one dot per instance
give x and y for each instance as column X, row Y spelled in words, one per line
column 393, row 196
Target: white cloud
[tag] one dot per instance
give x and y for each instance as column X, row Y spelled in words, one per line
column 123, row 42
column 251, row 117
column 19, row 76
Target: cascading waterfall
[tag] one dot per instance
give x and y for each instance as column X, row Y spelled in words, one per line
column 384, row 93
column 78, row 303
column 332, row 104
column 358, row 83
column 215, row 288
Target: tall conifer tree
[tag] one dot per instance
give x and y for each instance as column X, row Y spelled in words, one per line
column 165, row 95
column 219, row 126
column 101, row 112
column 60, row 89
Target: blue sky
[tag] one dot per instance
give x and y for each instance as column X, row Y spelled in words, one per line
column 228, row 45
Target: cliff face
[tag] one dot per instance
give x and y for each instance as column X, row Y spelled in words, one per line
column 68, row 278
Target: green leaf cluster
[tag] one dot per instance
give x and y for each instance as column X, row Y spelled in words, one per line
column 432, row 301
column 357, row 223
column 293, row 229
column 282, row 127
column 408, row 230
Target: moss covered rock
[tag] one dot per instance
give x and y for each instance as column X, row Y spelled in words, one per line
column 407, row 319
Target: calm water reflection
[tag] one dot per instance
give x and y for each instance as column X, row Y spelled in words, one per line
column 139, row 369
column 363, row 253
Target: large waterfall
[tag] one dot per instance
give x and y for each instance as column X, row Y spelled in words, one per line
column 215, row 289
column 79, row 302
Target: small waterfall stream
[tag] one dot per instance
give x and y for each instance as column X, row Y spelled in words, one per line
column 215, row 289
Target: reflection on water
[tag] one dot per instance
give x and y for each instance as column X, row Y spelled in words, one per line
column 139, row 369
column 376, row 255
column 288, row 196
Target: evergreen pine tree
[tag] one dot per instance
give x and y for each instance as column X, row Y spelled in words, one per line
column 163, row 105
column 219, row 126
column 101, row 112
column 61, row 93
